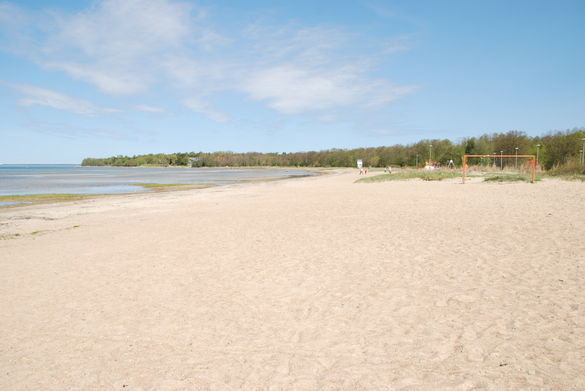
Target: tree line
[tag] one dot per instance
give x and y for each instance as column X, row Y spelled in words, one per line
column 556, row 150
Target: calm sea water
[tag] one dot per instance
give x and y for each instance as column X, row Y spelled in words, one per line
column 74, row 179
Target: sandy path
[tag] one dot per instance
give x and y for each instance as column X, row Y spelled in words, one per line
column 305, row 284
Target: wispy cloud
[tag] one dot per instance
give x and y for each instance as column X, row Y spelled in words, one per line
column 150, row 109
column 31, row 96
column 317, row 70
column 293, row 90
column 201, row 107
column 136, row 46
column 117, row 46
column 11, row 14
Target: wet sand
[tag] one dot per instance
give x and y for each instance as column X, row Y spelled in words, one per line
column 306, row 284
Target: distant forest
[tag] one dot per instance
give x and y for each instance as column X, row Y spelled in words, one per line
column 556, row 150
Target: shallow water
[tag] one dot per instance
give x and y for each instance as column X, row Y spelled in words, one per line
column 74, row 179
column 8, row 203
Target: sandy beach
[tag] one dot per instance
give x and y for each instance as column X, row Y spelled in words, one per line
column 315, row 283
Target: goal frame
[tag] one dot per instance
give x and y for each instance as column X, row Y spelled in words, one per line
column 531, row 157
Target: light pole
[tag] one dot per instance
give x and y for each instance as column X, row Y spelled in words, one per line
column 501, row 160
column 537, row 154
column 516, row 164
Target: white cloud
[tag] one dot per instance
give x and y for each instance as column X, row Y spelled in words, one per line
column 133, row 47
column 10, row 14
column 317, row 70
column 204, row 109
column 118, row 45
column 32, row 95
column 113, row 81
column 150, row 109
column 293, row 90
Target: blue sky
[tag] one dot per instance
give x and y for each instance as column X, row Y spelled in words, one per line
column 108, row 77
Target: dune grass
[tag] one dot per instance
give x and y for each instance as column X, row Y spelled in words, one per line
column 402, row 175
column 438, row 175
column 509, row 178
column 568, row 177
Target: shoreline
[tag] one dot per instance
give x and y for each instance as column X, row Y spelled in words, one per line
column 27, row 200
column 22, row 219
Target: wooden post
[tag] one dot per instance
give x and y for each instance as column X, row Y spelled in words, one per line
column 533, row 173
column 464, row 167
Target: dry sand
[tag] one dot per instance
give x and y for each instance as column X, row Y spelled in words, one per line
column 304, row 284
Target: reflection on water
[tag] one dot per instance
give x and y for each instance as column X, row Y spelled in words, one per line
column 73, row 179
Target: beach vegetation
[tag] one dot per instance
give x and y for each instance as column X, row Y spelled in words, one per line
column 407, row 174
column 509, row 178
column 572, row 168
column 169, row 186
column 158, row 185
column 54, row 197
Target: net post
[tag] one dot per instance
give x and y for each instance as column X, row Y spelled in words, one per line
column 463, row 170
column 533, row 171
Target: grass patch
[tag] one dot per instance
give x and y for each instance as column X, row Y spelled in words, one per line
column 425, row 175
column 35, row 232
column 170, row 186
column 568, row 177
column 32, row 199
column 158, row 185
column 43, row 197
column 509, row 178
